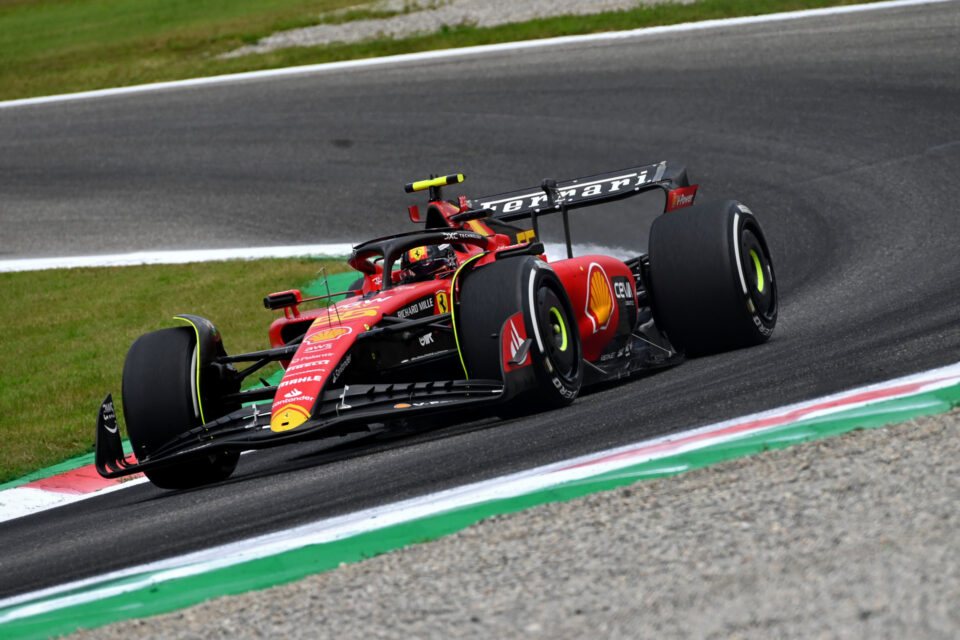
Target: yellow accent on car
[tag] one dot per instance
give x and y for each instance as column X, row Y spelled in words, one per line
column 453, row 316
column 601, row 299
column 477, row 227
column 756, row 265
column 196, row 333
column 328, row 334
column 289, row 417
column 525, row 236
column 442, row 181
column 442, row 302
column 563, row 327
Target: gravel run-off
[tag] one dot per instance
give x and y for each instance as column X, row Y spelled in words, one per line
column 425, row 17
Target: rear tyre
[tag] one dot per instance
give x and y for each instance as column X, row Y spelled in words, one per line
column 493, row 294
column 356, row 285
column 711, row 278
column 160, row 402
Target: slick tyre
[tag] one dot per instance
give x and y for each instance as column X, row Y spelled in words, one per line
column 354, row 286
column 495, row 293
column 160, row 402
column 711, row 278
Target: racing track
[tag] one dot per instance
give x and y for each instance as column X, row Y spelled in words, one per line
column 841, row 133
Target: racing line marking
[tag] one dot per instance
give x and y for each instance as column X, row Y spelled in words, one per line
column 337, row 250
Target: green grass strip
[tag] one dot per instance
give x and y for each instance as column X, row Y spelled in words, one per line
column 56, row 47
column 336, row 282
column 297, row 564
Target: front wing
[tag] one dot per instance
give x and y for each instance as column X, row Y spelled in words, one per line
column 341, row 411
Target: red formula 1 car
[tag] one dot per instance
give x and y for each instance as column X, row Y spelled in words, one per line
column 464, row 314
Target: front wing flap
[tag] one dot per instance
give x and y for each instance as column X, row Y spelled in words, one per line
column 341, row 411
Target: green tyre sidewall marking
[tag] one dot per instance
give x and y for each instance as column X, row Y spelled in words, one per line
column 759, row 269
column 563, row 327
column 196, row 349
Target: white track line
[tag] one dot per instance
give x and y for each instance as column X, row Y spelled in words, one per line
column 26, row 501
column 341, row 250
column 469, row 51
column 504, row 487
column 177, row 257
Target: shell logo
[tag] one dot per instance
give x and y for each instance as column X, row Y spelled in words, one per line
column 599, row 298
column 351, row 314
column 289, row 417
column 329, row 334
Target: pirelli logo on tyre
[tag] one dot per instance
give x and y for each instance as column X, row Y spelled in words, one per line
column 599, row 298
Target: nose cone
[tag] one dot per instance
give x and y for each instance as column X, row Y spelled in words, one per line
column 289, row 417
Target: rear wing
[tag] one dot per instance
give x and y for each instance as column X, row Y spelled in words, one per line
column 553, row 196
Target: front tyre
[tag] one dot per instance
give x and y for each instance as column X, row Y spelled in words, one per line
column 711, row 278
column 161, row 401
column 490, row 299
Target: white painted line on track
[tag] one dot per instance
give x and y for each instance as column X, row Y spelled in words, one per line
column 24, row 501
column 469, row 51
column 505, row 487
column 177, row 257
column 338, row 250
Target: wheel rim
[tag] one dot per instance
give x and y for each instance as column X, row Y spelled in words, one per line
column 559, row 327
column 558, row 344
column 758, row 272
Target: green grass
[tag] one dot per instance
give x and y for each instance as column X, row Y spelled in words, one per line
column 59, row 46
column 66, row 332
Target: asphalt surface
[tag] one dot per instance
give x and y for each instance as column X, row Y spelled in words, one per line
column 840, row 133
column 846, row 537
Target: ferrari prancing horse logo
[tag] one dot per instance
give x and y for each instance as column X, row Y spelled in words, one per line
column 443, row 302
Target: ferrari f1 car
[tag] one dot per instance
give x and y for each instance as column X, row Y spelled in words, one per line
column 465, row 314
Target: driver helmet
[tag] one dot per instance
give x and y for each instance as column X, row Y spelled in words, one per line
column 422, row 263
